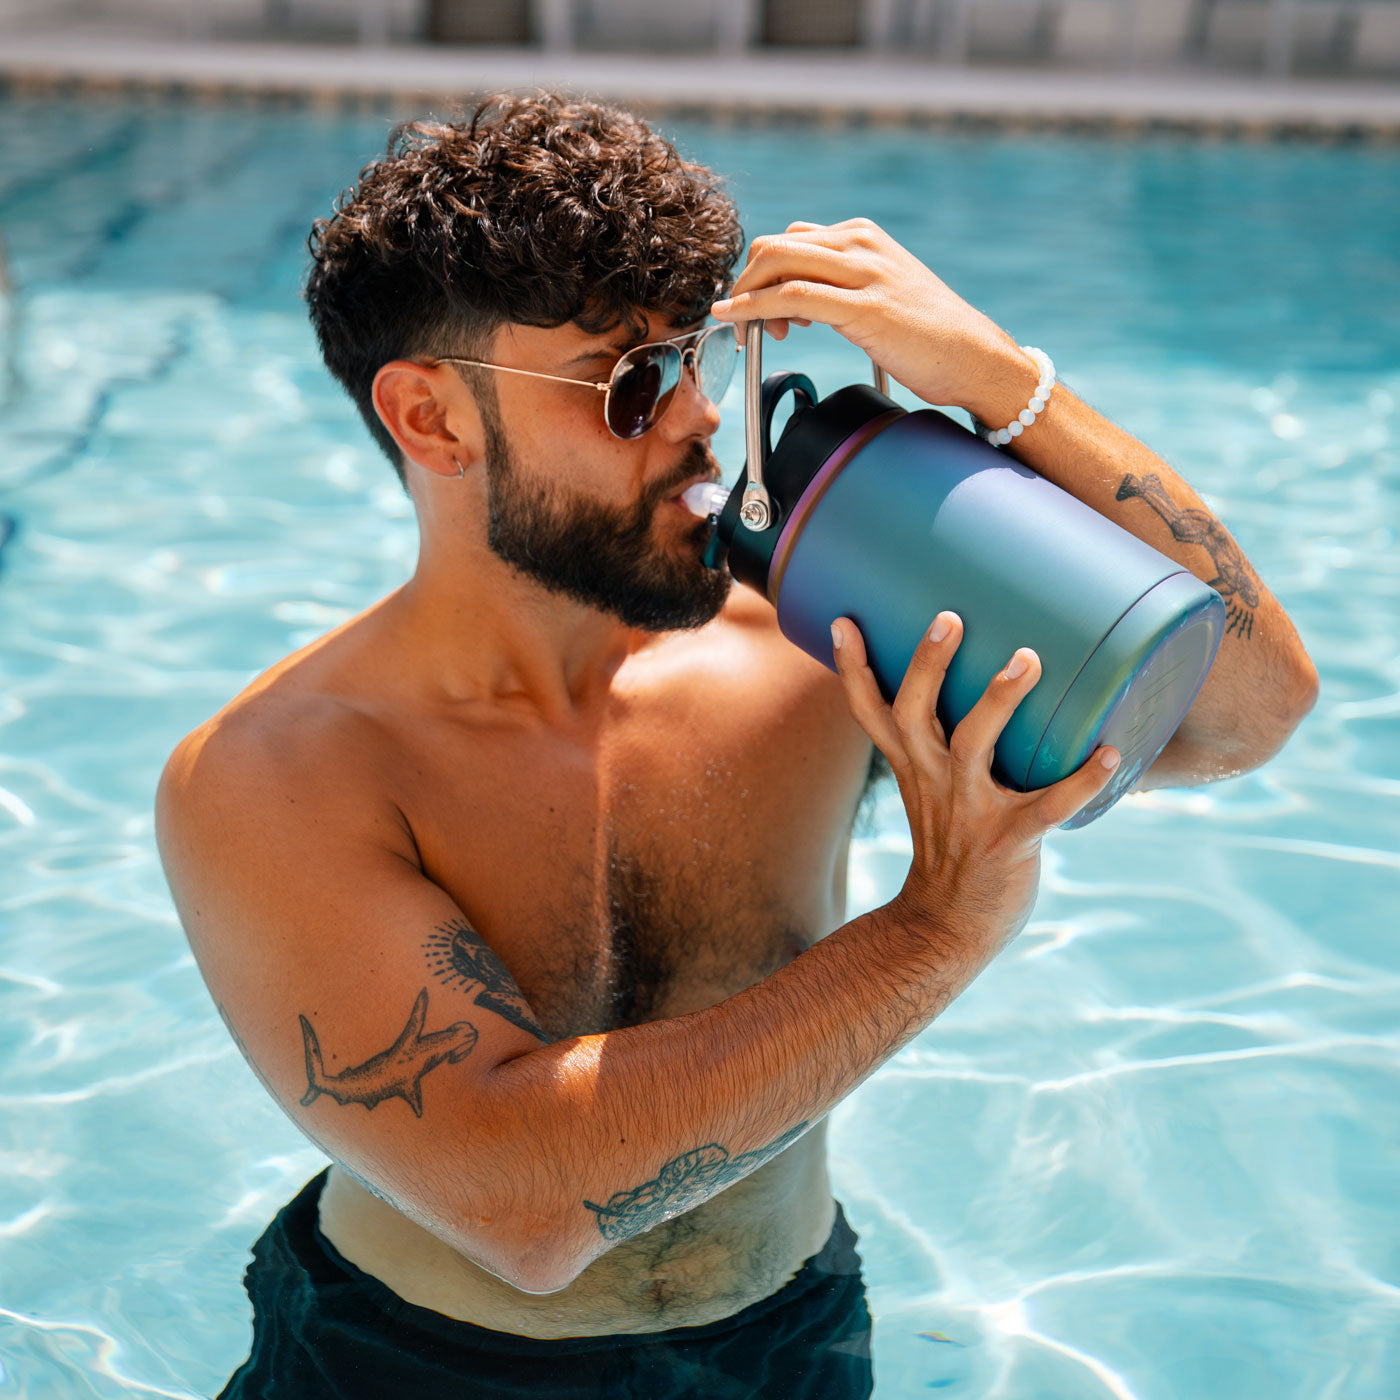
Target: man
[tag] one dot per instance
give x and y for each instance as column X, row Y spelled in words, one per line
column 523, row 890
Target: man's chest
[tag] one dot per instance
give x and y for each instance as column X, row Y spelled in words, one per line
column 682, row 852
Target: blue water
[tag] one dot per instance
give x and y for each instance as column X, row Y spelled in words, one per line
column 1152, row 1153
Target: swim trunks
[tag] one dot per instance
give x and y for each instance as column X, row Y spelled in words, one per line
column 326, row 1330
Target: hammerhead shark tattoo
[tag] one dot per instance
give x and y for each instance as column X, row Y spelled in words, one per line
column 393, row 1073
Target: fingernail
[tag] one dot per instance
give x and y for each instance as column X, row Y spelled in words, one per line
column 940, row 629
column 835, row 635
column 1015, row 667
column 722, row 304
column 1109, row 759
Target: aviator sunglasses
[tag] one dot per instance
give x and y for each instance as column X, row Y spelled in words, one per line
column 643, row 382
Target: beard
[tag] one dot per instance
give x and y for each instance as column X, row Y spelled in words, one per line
column 599, row 555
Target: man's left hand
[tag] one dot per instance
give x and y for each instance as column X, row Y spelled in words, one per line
column 854, row 277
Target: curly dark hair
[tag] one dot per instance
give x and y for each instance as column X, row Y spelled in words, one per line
column 536, row 210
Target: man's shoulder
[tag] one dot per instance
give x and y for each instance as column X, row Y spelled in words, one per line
column 275, row 786
column 747, row 647
column 286, row 732
column 750, row 611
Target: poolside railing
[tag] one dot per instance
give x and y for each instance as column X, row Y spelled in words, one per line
column 1276, row 37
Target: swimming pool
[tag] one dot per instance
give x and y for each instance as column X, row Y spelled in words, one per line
column 1151, row 1153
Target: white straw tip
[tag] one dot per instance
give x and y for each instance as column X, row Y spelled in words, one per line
column 705, row 497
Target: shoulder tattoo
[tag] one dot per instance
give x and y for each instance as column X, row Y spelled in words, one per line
column 460, row 959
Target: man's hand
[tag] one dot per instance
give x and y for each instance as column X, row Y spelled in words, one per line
column 976, row 842
column 854, row 277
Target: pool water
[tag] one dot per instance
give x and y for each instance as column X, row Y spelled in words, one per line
column 1152, row 1152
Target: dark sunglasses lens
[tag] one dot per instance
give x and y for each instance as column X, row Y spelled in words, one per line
column 642, row 385
column 718, row 355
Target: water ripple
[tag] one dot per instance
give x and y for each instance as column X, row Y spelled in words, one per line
column 95, row 1351
column 113, row 1084
column 1149, row 1152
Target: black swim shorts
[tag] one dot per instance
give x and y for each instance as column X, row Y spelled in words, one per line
column 326, row 1330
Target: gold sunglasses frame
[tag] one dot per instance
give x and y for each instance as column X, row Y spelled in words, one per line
column 690, row 359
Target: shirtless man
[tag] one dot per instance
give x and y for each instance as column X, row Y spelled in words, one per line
column 523, row 890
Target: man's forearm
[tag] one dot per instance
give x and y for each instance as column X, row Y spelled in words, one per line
column 547, row 1155
column 947, row 352
column 637, row 1125
column 1262, row 682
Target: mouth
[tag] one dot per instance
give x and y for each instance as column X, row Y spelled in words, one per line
column 698, row 479
column 698, row 465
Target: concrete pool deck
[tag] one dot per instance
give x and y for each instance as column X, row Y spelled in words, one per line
column 823, row 88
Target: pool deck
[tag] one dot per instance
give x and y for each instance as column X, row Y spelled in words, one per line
column 823, row 88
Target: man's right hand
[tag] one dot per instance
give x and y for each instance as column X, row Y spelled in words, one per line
column 977, row 842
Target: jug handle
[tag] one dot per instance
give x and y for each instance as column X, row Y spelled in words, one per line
column 774, row 388
column 756, row 511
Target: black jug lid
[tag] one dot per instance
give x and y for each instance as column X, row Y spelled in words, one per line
column 808, row 440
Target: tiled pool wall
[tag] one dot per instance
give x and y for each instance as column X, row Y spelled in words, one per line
column 817, row 116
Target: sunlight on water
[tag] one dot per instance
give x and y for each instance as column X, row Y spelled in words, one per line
column 1149, row 1155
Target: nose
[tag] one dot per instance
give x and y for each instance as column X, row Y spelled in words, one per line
column 691, row 414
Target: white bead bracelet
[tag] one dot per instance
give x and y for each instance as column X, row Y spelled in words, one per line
column 999, row 437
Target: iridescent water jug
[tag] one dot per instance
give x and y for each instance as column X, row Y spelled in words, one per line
column 867, row 511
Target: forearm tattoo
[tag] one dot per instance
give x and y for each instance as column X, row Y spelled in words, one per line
column 1234, row 580
column 393, row 1073
column 681, row 1185
column 461, row 959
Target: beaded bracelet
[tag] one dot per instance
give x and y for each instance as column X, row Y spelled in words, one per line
column 999, row 437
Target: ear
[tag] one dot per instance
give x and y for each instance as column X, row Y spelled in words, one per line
column 431, row 414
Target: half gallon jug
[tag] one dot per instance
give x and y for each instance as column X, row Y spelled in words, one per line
column 866, row 511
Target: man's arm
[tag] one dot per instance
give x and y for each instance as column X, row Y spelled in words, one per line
column 398, row 1041
column 1263, row 681
column 854, row 277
